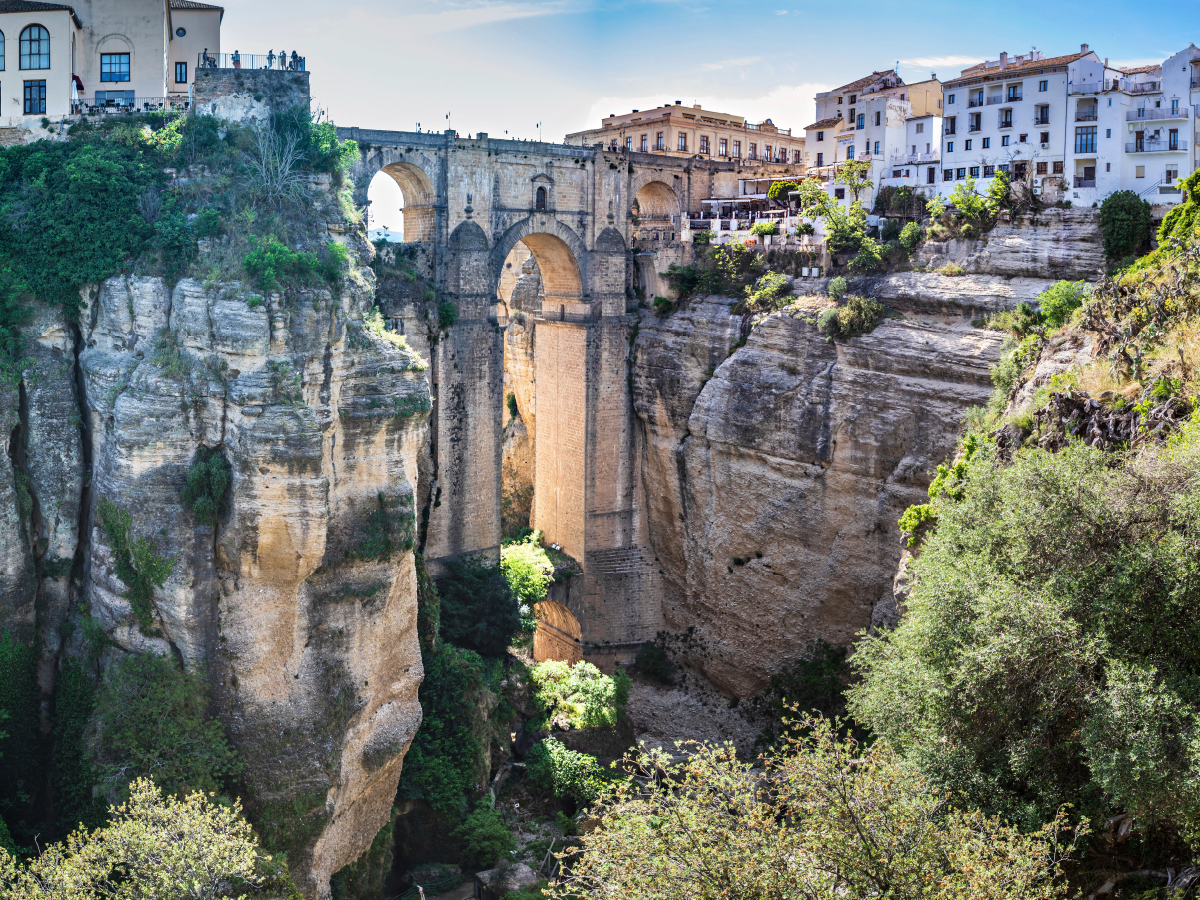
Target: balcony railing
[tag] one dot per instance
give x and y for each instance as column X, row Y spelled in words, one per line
column 1004, row 123
column 1145, row 87
column 974, row 129
column 1045, row 120
column 1091, row 87
column 1085, row 117
column 280, row 62
column 1137, row 115
column 1196, row 84
column 1085, row 182
column 913, row 159
column 1017, row 98
column 974, row 104
column 786, row 132
column 1149, row 146
column 128, row 105
column 993, row 101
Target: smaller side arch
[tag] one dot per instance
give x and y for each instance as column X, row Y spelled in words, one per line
column 420, row 198
column 657, row 200
column 558, row 634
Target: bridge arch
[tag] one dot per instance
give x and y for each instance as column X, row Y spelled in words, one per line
column 420, row 217
column 560, row 253
column 657, row 200
column 558, row 634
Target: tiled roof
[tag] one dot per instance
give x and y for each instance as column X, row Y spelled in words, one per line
column 30, row 6
column 1140, row 70
column 863, row 82
column 1020, row 67
column 823, row 123
column 192, row 4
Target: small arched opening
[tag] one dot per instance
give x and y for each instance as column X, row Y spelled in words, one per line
column 540, row 199
column 401, row 207
column 558, row 634
column 656, row 201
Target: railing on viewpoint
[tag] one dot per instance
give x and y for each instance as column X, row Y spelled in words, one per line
column 1149, row 146
column 1137, row 115
column 128, row 105
column 280, row 62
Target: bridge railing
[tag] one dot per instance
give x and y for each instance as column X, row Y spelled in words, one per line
column 281, row 62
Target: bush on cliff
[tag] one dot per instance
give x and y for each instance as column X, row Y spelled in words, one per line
column 1125, row 223
column 553, row 769
column 1049, row 653
column 579, row 695
column 857, row 316
column 485, row 838
column 207, row 483
column 478, row 610
column 138, row 563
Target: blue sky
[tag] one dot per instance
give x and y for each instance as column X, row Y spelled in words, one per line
column 508, row 65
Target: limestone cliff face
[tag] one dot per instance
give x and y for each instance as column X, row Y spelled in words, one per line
column 311, row 648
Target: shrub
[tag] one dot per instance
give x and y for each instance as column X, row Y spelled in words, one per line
column 952, row 270
column 138, row 562
column 761, row 229
column 663, row 306
column 915, row 521
column 580, row 696
column 805, row 228
column 207, row 483
column 1062, row 298
column 485, row 838
column 514, row 411
column 869, row 258
column 388, row 528
column 837, row 289
column 910, row 237
column 779, row 192
column 891, row 230
column 478, row 611
column 1049, row 650
column 273, row 266
column 767, row 292
column 553, row 769
column 207, row 224
column 153, row 721
column 857, row 316
column 653, row 663
column 447, row 314
column 1125, row 223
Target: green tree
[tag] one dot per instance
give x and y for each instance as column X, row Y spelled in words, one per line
column 207, row 482
column 971, row 205
column 579, row 695
column 1125, row 223
column 485, row 838
column 478, row 610
column 813, row 198
column 554, row 769
column 153, row 721
column 153, row 848
column 830, row 819
column 854, row 175
column 1049, row 649
column 779, row 191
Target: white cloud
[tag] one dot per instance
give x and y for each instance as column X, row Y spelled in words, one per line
column 731, row 63
column 945, row 63
column 781, row 12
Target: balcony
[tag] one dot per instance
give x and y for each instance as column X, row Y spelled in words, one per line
column 1085, row 182
column 1138, row 115
column 993, row 101
column 1145, row 87
column 1091, row 116
column 913, row 159
column 975, row 129
column 1041, row 120
column 1015, row 98
column 1005, row 123
column 1196, row 84
column 1092, row 87
column 1149, row 146
column 123, row 102
column 280, row 63
column 974, row 104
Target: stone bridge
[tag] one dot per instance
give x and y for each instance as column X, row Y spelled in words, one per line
column 468, row 203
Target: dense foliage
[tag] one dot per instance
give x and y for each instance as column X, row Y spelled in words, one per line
column 553, row 769
column 20, row 747
column 1049, row 651
column 138, row 563
column 579, row 695
column 208, row 480
column 1125, row 223
column 856, row 316
column 478, row 610
column 837, row 820
column 485, row 837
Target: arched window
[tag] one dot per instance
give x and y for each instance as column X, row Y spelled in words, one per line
column 1, row 51
column 35, row 48
column 541, row 199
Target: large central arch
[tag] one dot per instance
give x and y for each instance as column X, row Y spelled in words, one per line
column 560, row 253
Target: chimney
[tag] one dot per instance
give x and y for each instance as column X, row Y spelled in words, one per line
column 679, row 103
column 1003, row 61
column 1106, row 62
column 1083, row 48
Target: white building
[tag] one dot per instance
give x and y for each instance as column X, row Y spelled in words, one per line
column 1078, row 126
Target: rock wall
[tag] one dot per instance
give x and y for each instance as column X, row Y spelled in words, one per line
column 309, row 644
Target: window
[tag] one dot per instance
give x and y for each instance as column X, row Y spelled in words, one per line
column 767, row 152
column 853, row 97
column 1014, row 92
column 961, row 174
column 1041, row 115
column 839, row 193
column 876, row 118
column 1085, row 139
column 949, row 146
column 820, row 159
column 947, row 175
column 1019, row 169
column 850, row 152
column 1, row 51
column 895, row 173
column 1043, row 86
column 820, row 135
column 951, row 125
column 987, row 142
column 114, row 66
column 967, row 145
column 1108, row 167
column 989, row 171
column 1139, row 172
column 974, row 171
column 920, row 128
column 540, row 201
column 704, row 143
column 877, row 148
column 1004, row 140
column 1173, row 139
column 1045, row 137
column 35, row 98
column 1057, row 167
column 1108, row 132
column 629, row 144
column 35, row 52
column 1005, row 118
column 1175, row 107
column 1023, row 139
column 683, row 140
column 1171, row 175
column 796, row 157
column 862, row 120
column 181, row 73
column 659, row 143
column 1043, row 168
column 930, row 175
column 753, row 154
column 853, row 118
column 737, row 148
column 949, row 99
column 645, row 143
column 724, row 147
